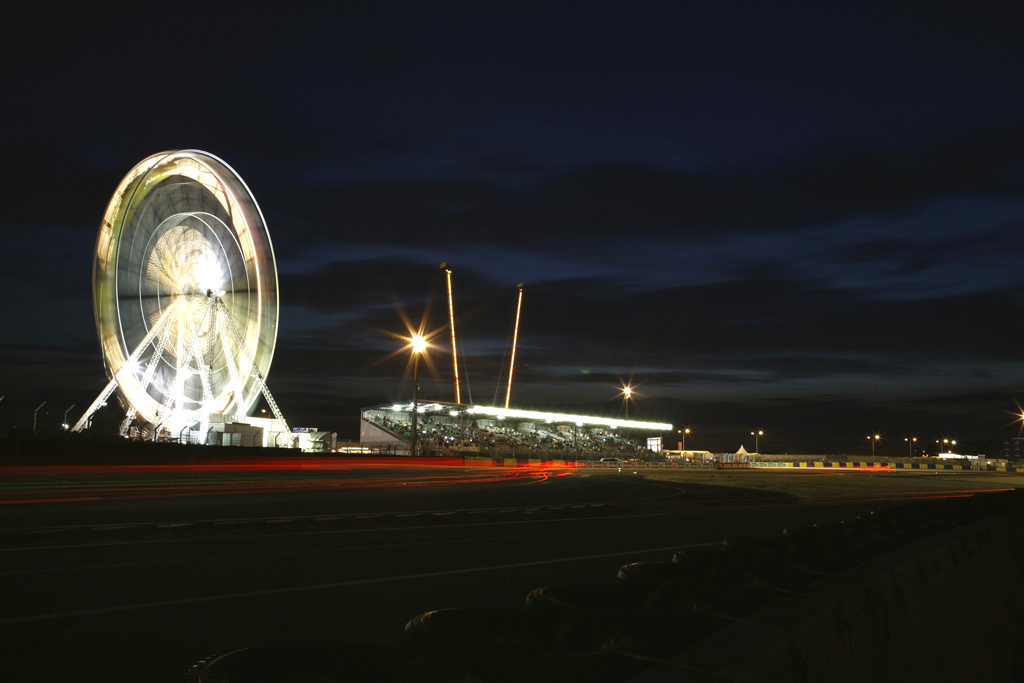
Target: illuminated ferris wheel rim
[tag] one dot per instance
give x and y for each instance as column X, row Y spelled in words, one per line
column 181, row 230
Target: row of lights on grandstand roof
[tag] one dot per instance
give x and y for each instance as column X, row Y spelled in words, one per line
column 549, row 418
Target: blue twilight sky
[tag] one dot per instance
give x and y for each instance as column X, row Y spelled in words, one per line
column 800, row 217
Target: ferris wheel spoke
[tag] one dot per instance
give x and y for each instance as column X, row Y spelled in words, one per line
column 204, row 413
column 147, row 377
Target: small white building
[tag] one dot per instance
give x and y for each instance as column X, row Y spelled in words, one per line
column 957, row 456
column 249, row 431
column 689, row 456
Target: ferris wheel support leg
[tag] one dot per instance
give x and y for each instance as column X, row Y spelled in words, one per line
column 257, row 375
column 147, row 377
column 236, row 382
column 101, row 400
column 204, row 413
column 127, row 421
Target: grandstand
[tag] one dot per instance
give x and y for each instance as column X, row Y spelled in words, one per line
column 454, row 429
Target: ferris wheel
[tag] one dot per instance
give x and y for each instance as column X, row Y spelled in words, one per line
column 185, row 295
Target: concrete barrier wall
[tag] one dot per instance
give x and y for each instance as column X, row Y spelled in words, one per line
column 772, row 464
column 949, row 608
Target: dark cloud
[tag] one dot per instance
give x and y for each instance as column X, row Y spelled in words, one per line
column 833, row 186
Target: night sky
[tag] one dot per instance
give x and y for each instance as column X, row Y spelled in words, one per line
column 804, row 218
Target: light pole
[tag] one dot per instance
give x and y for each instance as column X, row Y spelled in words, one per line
column 683, row 433
column 947, row 443
column 418, row 344
column 34, row 415
column 65, row 423
column 757, row 435
column 626, row 393
column 874, row 439
column 910, row 445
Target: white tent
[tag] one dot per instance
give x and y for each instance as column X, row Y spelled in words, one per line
column 742, row 455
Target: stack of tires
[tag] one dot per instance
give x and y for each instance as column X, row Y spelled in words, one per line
column 605, row 633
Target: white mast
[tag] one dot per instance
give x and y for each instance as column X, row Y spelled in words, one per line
column 515, row 339
column 451, row 316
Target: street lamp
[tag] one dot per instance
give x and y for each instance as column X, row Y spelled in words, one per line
column 683, row 433
column 418, row 344
column 65, row 422
column 757, row 435
column 910, row 445
column 34, row 415
column 626, row 393
column 874, row 439
column 947, row 443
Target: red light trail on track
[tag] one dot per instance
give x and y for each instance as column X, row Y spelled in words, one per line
column 79, row 484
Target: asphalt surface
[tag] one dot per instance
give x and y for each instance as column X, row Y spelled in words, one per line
column 135, row 575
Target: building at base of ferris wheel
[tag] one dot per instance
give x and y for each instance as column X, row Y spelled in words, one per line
column 250, row 432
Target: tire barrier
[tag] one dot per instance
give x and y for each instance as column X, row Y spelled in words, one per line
column 656, row 623
column 509, row 646
column 923, row 592
column 868, row 599
column 302, row 661
column 724, row 592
